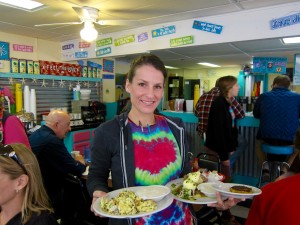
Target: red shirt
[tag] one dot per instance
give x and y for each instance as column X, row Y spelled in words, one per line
column 278, row 204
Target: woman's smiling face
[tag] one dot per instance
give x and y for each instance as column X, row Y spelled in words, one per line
column 146, row 89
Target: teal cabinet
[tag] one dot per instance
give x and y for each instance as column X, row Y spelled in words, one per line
column 78, row 140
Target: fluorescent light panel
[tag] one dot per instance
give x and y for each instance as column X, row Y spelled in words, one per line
column 208, row 64
column 22, row 4
column 171, row 67
column 291, row 40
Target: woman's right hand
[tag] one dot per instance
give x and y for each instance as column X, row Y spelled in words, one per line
column 96, row 195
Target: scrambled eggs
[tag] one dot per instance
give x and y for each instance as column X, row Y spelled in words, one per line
column 127, row 203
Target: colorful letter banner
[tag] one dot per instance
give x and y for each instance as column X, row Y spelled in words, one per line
column 62, row 69
column 187, row 40
column 83, row 54
column 285, row 21
column 142, row 37
column 124, row 40
column 103, row 42
column 103, row 51
column 163, row 31
column 209, row 27
column 269, row 65
column 22, row 48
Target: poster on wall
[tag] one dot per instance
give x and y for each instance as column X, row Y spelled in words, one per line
column 296, row 79
column 108, row 66
column 269, row 65
column 4, row 50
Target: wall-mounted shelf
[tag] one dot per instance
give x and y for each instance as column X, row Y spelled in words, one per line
column 47, row 77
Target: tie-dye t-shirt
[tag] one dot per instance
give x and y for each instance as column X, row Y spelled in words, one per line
column 158, row 161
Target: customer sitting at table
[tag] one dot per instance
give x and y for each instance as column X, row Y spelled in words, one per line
column 23, row 198
column 274, row 205
column 278, row 111
column 12, row 130
column 54, row 159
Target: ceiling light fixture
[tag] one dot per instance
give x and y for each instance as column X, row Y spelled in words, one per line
column 208, row 64
column 22, row 4
column 171, row 67
column 88, row 33
column 291, row 40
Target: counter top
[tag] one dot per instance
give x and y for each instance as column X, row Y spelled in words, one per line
column 189, row 117
column 85, row 126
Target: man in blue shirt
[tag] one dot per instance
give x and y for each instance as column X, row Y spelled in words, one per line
column 54, row 159
column 278, row 111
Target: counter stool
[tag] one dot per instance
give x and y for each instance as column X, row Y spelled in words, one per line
column 272, row 150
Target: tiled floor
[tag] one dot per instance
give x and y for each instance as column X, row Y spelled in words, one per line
column 241, row 210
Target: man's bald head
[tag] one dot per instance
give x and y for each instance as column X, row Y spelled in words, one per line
column 59, row 122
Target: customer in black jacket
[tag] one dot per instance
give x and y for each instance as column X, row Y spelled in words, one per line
column 54, row 159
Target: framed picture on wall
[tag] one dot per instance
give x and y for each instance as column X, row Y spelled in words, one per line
column 4, row 50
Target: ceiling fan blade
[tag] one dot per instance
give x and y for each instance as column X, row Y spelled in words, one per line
column 87, row 13
column 118, row 22
column 54, row 24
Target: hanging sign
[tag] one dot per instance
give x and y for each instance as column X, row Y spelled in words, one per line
column 187, row 40
column 285, row 21
column 142, row 37
column 103, row 51
column 103, row 42
column 269, row 65
column 163, row 31
column 124, row 40
column 22, row 48
column 208, row 27
column 83, row 54
column 61, row 69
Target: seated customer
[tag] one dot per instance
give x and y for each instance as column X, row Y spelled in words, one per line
column 23, row 198
column 54, row 159
column 274, row 205
column 278, row 111
column 11, row 128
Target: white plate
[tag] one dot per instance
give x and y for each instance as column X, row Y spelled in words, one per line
column 207, row 189
column 164, row 203
column 223, row 188
column 201, row 200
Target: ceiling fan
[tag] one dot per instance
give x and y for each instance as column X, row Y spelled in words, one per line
column 89, row 16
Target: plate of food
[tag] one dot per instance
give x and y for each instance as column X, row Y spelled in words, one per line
column 236, row 190
column 186, row 189
column 125, row 202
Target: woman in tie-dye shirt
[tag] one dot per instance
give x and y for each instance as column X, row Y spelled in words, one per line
column 142, row 148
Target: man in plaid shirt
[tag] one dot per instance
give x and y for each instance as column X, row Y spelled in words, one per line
column 203, row 106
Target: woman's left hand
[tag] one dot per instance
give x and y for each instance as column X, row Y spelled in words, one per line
column 227, row 204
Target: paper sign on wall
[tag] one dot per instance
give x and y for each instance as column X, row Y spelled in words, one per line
column 209, row 27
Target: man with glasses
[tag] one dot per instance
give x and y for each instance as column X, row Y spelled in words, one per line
column 54, row 159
